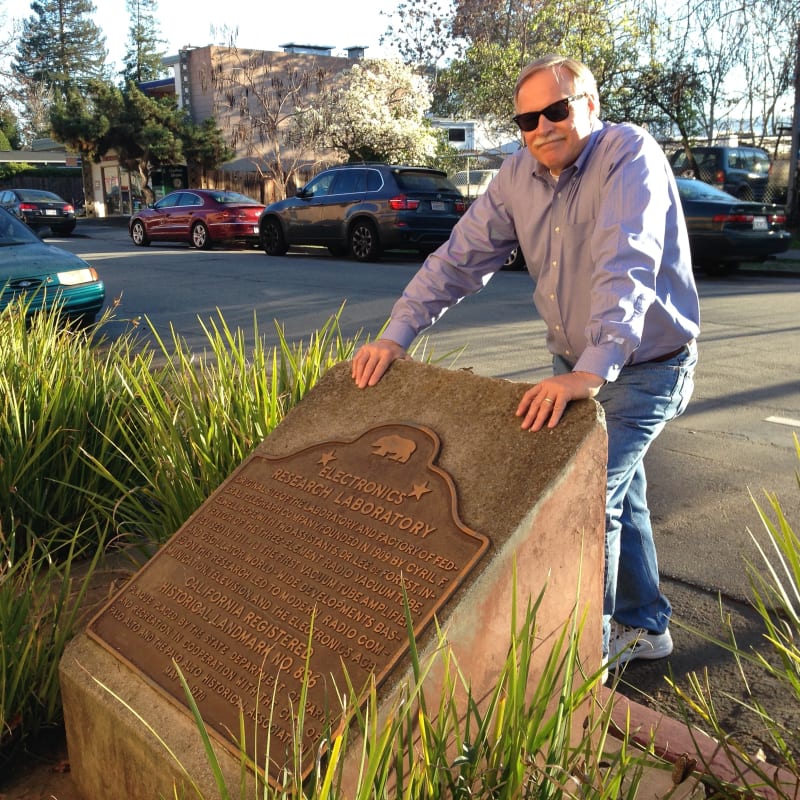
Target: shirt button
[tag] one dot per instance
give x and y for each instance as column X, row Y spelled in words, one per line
column 558, row 229
column 558, row 327
column 554, row 263
column 568, row 352
column 552, row 297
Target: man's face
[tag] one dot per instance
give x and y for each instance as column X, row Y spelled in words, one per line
column 555, row 144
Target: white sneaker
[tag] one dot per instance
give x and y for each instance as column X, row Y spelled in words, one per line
column 629, row 643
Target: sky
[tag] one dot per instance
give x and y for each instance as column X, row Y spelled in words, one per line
column 264, row 25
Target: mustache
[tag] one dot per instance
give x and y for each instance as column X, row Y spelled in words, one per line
column 540, row 140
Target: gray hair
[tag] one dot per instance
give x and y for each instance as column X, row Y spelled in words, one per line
column 582, row 77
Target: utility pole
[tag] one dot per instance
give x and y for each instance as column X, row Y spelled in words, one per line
column 791, row 191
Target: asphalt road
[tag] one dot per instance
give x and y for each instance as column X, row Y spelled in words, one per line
column 706, row 471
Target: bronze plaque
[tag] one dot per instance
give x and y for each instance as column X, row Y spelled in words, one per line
column 328, row 537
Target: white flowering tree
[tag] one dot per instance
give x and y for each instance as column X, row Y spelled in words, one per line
column 377, row 113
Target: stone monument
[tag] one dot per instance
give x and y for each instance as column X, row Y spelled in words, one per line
column 366, row 513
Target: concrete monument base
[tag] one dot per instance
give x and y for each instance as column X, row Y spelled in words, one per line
column 536, row 500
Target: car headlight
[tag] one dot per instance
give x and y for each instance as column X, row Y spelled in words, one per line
column 76, row 276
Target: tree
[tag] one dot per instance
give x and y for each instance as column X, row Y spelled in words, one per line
column 9, row 125
column 769, row 61
column 60, row 50
column 205, row 149
column 144, row 132
column 60, row 46
column 668, row 97
column 145, row 135
column 378, row 114
column 422, row 32
column 718, row 31
column 143, row 58
column 505, row 35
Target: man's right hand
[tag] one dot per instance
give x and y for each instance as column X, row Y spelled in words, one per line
column 373, row 359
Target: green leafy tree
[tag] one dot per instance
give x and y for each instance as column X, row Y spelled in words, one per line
column 378, row 114
column 504, row 36
column 147, row 133
column 60, row 46
column 9, row 125
column 143, row 57
column 144, row 132
column 83, row 121
column 205, row 149
column 59, row 50
column 8, row 40
column 667, row 98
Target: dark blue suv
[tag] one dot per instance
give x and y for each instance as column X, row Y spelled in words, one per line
column 740, row 171
column 365, row 209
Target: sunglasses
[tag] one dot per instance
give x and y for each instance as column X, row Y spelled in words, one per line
column 555, row 112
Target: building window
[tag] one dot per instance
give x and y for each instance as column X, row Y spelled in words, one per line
column 456, row 135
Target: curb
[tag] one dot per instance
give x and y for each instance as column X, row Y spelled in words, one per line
column 692, row 750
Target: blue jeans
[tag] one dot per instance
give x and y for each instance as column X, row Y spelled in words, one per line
column 637, row 407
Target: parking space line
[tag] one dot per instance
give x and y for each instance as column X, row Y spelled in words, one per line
column 794, row 423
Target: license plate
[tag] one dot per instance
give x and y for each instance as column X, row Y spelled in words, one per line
column 437, row 205
column 760, row 224
column 50, row 212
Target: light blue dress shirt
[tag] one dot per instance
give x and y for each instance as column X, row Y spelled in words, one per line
column 605, row 242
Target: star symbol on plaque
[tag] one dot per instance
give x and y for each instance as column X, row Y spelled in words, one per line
column 419, row 490
column 326, row 458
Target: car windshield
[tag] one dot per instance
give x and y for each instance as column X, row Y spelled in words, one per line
column 690, row 189
column 34, row 195
column 12, row 231
column 234, row 198
column 424, row 182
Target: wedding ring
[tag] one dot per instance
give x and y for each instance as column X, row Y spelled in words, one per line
column 547, row 400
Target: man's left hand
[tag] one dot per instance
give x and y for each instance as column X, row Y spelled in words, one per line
column 544, row 404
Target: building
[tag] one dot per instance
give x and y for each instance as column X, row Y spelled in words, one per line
column 219, row 82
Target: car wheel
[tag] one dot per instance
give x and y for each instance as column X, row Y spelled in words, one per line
column 515, row 260
column 364, row 244
column 200, row 238
column 272, row 238
column 139, row 234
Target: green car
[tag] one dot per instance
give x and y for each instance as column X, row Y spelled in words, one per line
column 46, row 274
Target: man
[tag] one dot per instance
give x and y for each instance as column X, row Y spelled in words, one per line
column 595, row 209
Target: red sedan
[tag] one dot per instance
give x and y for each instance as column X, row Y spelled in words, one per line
column 201, row 217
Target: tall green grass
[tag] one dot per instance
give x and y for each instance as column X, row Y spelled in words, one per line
column 60, row 398
column 191, row 421
column 111, row 441
column 40, row 605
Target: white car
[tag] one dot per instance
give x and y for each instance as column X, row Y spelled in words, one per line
column 472, row 183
